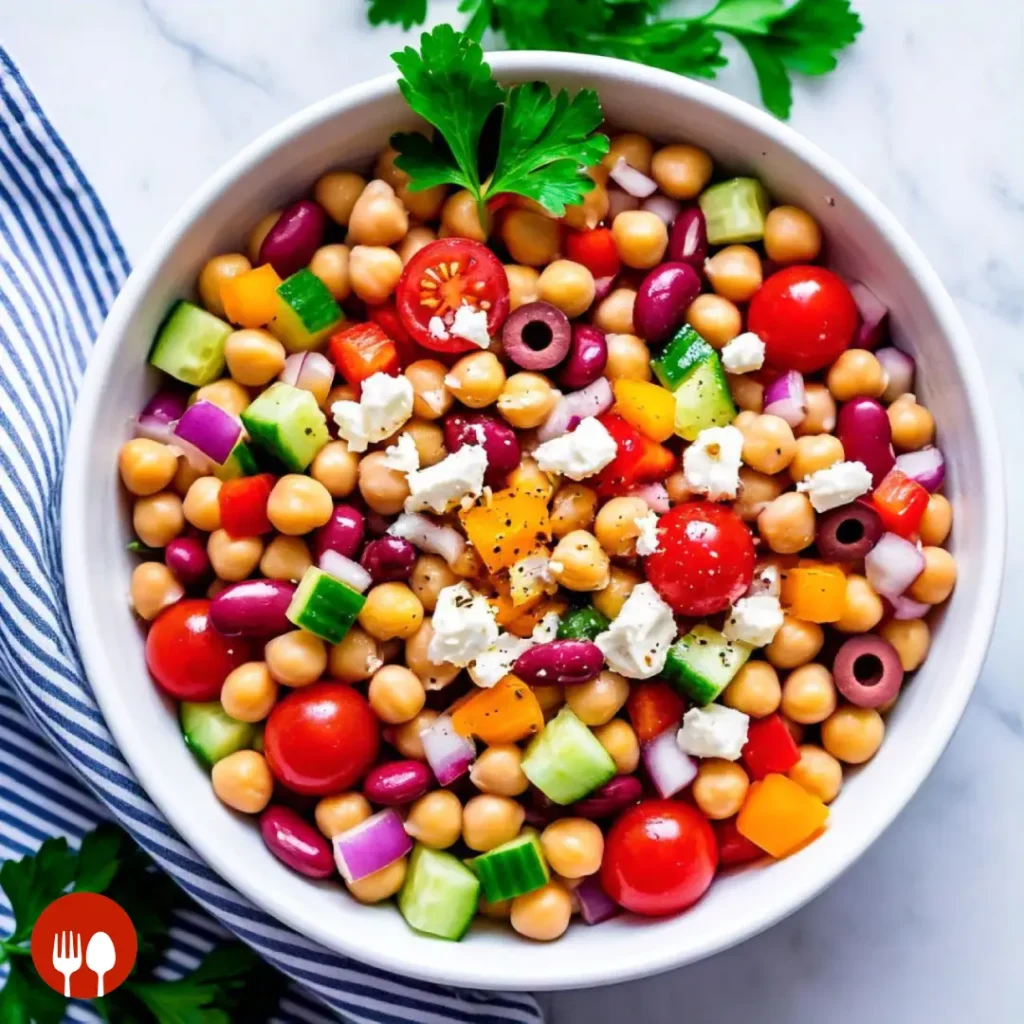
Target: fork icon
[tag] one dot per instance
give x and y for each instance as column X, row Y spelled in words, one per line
column 67, row 959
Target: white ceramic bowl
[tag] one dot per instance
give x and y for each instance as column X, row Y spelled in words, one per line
column 864, row 241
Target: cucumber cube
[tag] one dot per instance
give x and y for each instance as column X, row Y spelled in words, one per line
column 324, row 606
column 211, row 734
column 511, row 869
column 241, row 462
column 735, row 211
column 703, row 399
column 287, row 422
column 582, row 624
column 566, row 760
column 190, row 345
column 440, row 894
column 306, row 312
column 680, row 356
column 703, row 663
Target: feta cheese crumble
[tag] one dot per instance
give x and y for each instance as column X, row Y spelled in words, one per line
column 383, row 408
column 754, row 620
column 744, row 354
column 714, row 731
column 584, row 452
column 647, row 542
column 470, row 324
column 711, row 465
column 496, row 662
column 637, row 642
column 437, row 329
column 547, row 629
column 443, row 485
column 464, row 626
column 837, row 485
column 403, row 456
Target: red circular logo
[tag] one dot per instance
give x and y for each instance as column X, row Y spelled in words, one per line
column 84, row 945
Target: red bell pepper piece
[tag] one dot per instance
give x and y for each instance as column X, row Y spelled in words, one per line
column 243, row 505
column 639, row 460
column 653, row 707
column 361, row 350
column 732, row 847
column 596, row 250
column 769, row 747
column 900, row 503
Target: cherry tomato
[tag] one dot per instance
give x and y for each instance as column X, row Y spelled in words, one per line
column 659, row 858
column 595, row 249
column 806, row 317
column 443, row 276
column 321, row 739
column 187, row 657
column 732, row 847
column 706, row 558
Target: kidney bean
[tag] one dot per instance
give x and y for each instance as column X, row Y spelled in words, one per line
column 343, row 532
column 560, row 663
column 498, row 439
column 252, row 608
column 688, row 239
column 603, row 287
column 863, row 428
column 397, row 783
column 867, row 671
column 588, row 356
column 388, row 559
column 536, row 336
column 291, row 242
column 186, row 557
column 663, row 299
column 614, row 796
column 295, row 842
column 848, row 533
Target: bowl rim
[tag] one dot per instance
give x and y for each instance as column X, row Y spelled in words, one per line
column 654, row 956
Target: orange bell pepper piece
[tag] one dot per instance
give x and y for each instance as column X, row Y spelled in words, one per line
column 649, row 407
column 527, row 621
column 506, row 713
column 780, row 816
column 508, row 527
column 251, row 298
column 815, row 593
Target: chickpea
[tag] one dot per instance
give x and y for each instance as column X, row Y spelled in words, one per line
column 297, row 658
column 678, row 489
column 852, row 734
column 681, row 171
column 911, row 638
column 619, row 739
column 340, row 812
column 616, row 525
column 498, row 771
column 467, row 565
column 744, row 420
column 337, row 192
column 523, row 285
column 594, row 208
column 863, row 609
column 573, row 847
column 526, row 400
column 629, row 358
column 431, row 398
column 407, row 737
column 226, row 394
column 249, row 693
column 809, row 694
column 735, row 272
column 791, row 235
column 299, row 504
column 233, row 558
column 498, row 911
column 336, row 469
column 856, row 373
column 531, row 238
column 382, row 488
column 184, row 477
column 146, row 466
column 242, row 781
column 818, row 772
column 488, row 821
column 428, row 438
column 432, row 675
column 286, row 558
column 912, row 425
column 756, row 492
column 641, row 238
column 476, row 380
column 543, row 914
column 937, row 520
column 258, row 235
column 378, row 217
column 815, row 452
column 425, row 205
column 754, row 690
column 430, row 575
column 567, row 285
column 720, row 788
column 214, row 273
column 621, row 583
column 154, row 588
column 573, row 508
column 550, row 698
column 392, row 611
column 579, row 562
column 768, row 444
column 597, row 702
column 786, row 524
column 795, row 644
column 340, row 393
column 396, row 694
column 937, row 578
column 614, row 315
column 254, row 357
column 418, row 238
column 435, row 820
column 330, row 264
column 821, row 411
column 632, row 147
column 715, row 319
column 158, row 518
column 374, row 271
column 355, row 658
column 201, row 507
column 747, row 393
column 460, row 217
column 382, row 884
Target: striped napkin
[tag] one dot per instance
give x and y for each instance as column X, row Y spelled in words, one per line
column 60, row 267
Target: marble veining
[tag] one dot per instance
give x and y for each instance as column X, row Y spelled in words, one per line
column 152, row 95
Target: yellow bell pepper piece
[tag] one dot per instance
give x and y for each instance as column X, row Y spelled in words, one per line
column 250, row 299
column 780, row 816
column 649, row 407
column 815, row 593
column 530, row 616
column 528, row 578
column 506, row 713
column 507, row 527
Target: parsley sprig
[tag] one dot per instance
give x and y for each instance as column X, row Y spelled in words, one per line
column 780, row 38
column 545, row 140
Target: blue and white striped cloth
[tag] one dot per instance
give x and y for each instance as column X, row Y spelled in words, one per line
column 60, row 267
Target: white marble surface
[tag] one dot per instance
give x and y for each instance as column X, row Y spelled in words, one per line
column 152, row 95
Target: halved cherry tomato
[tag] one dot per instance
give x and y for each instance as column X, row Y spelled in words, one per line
column 187, row 657
column 732, row 847
column 595, row 249
column 243, row 505
column 444, row 275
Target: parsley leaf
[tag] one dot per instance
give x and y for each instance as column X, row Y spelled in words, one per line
column 27, row 998
column 404, row 12
column 480, row 14
column 34, row 882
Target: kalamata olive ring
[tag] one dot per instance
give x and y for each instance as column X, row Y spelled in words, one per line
column 848, row 533
column 536, row 336
column 867, row 671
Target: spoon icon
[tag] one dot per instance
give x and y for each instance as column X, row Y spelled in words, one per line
column 100, row 957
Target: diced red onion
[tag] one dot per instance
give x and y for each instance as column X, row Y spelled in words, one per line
column 593, row 400
column 669, row 768
column 164, row 407
column 900, row 368
column 310, row 371
column 766, row 582
column 371, row 845
column 602, row 288
column 344, row 569
column 635, row 182
column 872, row 316
column 594, row 903
column 892, row 565
column 662, row 207
column 785, row 397
column 926, row 466
column 448, row 754
column 620, row 201
column 426, row 535
column 904, row 607
column 210, row 429
column 656, row 496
